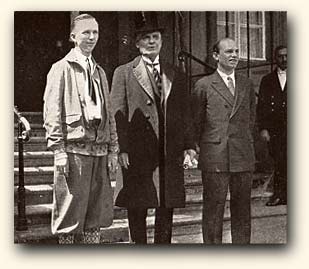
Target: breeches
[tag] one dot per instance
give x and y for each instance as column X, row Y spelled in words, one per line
column 83, row 200
column 215, row 187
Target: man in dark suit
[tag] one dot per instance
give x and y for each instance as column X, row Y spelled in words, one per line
column 272, row 118
column 151, row 106
column 224, row 104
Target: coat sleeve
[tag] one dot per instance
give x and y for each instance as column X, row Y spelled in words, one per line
column 52, row 111
column 120, row 107
column 198, row 105
column 113, row 145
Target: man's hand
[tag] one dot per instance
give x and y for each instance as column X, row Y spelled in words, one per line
column 191, row 153
column 61, row 163
column 189, row 159
column 112, row 162
column 124, row 160
column 265, row 135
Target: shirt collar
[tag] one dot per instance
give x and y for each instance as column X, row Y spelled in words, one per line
column 148, row 61
column 225, row 76
column 280, row 71
column 82, row 58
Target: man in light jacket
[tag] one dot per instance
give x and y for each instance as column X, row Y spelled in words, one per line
column 81, row 131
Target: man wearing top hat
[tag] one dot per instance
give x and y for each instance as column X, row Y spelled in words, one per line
column 151, row 107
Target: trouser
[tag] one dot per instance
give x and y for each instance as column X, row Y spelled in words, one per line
column 163, row 225
column 215, row 187
column 278, row 150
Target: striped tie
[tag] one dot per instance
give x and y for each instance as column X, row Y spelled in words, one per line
column 157, row 77
column 230, row 85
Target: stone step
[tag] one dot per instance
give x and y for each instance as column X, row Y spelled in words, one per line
column 44, row 174
column 33, row 117
column 34, row 144
column 37, row 130
column 37, row 212
column 35, row 175
column 183, row 224
column 35, row 158
column 41, row 192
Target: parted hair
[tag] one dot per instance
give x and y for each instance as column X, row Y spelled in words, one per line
column 78, row 18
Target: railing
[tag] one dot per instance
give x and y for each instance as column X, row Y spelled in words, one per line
column 184, row 54
column 23, row 136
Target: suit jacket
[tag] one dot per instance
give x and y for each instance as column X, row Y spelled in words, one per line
column 272, row 105
column 64, row 117
column 224, row 124
column 137, row 116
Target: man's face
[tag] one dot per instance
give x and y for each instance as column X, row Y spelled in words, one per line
column 281, row 58
column 150, row 44
column 85, row 35
column 228, row 55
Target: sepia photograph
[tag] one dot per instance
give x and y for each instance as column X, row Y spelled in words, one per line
column 150, row 127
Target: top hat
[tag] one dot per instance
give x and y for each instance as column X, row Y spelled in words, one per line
column 146, row 22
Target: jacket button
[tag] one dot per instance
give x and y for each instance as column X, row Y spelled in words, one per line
column 149, row 103
column 147, row 116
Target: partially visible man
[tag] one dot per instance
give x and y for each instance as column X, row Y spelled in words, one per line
column 81, row 131
column 224, row 114
column 272, row 119
column 151, row 106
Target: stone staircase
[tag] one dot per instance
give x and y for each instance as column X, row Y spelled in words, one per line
column 38, row 177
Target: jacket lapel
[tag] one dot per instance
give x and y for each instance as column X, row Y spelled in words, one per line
column 140, row 72
column 219, row 85
column 167, row 80
column 80, row 76
column 239, row 93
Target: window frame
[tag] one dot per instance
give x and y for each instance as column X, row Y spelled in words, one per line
column 234, row 22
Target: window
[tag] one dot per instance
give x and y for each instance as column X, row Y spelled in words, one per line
column 237, row 29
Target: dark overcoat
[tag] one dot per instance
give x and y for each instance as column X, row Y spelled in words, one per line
column 137, row 118
column 224, row 124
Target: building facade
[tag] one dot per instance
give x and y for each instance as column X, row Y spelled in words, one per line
column 42, row 38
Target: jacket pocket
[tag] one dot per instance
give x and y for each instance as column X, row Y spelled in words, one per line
column 69, row 119
column 215, row 139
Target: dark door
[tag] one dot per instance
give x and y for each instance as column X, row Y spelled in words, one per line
column 40, row 38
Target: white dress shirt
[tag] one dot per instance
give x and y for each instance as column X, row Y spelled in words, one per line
column 225, row 77
column 149, row 63
column 282, row 77
column 93, row 110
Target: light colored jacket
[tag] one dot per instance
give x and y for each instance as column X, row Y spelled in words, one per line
column 64, row 99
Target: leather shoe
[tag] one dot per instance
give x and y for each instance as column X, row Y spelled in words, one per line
column 276, row 201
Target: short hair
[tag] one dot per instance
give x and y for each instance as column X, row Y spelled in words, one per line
column 80, row 18
column 278, row 48
column 216, row 46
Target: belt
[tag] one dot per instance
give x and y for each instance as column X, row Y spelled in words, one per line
column 95, row 123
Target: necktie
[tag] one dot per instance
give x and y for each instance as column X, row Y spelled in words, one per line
column 230, row 85
column 90, row 83
column 157, row 77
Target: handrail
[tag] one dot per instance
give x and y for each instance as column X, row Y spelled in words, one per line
column 23, row 136
column 26, row 125
column 183, row 54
